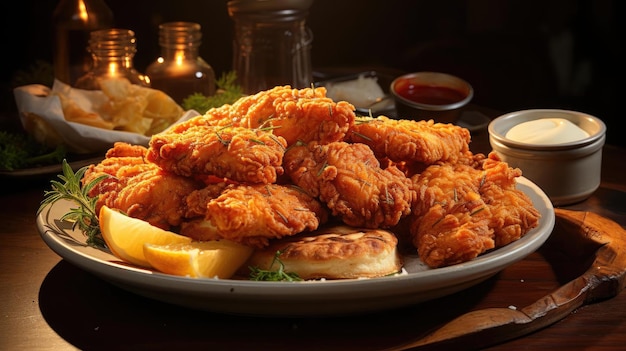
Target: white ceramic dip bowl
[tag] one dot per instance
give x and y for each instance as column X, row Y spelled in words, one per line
column 568, row 172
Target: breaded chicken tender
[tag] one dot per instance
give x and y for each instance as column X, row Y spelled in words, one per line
column 294, row 114
column 252, row 214
column 465, row 210
column 139, row 188
column 241, row 154
column 411, row 141
column 349, row 180
column 512, row 212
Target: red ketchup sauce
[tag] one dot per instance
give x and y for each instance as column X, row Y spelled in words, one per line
column 430, row 95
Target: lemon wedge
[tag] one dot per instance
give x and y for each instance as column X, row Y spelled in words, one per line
column 125, row 236
column 198, row 259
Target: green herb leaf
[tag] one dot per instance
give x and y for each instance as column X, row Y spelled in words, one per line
column 70, row 188
column 258, row 274
column 18, row 150
column 227, row 93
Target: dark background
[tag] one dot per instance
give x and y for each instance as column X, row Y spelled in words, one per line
column 517, row 54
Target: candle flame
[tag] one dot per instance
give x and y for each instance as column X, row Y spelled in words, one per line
column 180, row 57
column 113, row 69
column 84, row 16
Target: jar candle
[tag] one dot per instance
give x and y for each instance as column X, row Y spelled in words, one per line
column 112, row 51
column 180, row 71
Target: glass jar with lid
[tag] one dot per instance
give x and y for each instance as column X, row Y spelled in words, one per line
column 113, row 51
column 272, row 44
column 180, row 71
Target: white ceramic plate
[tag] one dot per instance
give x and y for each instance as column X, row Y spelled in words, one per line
column 310, row 298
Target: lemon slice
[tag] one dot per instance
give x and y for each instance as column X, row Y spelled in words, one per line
column 198, row 259
column 125, row 236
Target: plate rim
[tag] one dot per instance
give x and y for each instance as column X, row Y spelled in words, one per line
column 309, row 298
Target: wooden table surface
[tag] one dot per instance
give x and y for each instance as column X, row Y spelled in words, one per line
column 47, row 303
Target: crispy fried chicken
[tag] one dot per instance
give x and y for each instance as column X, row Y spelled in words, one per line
column 464, row 210
column 283, row 161
column 294, row 114
column 349, row 180
column 411, row 141
column 139, row 188
column 237, row 153
column 251, row 214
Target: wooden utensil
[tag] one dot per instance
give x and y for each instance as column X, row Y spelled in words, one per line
column 605, row 278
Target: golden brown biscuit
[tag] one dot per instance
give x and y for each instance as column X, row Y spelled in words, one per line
column 337, row 252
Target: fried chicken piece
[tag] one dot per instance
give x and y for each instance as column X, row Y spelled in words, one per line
column 467, row 209
column 124, row 158
column 294, row 114
column 411, row 141
column 237, row 153
column 139, row 188
column 155, row 196
column 252, row 214
column 513, row 213
column 121, row 154
column 349, row 180
column 197, row 200
column 450, row 221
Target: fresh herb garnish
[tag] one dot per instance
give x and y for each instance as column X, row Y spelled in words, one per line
column 258, row 274
column 228, row 91
column 20, row 151
column 39, row 72
column 70, row 188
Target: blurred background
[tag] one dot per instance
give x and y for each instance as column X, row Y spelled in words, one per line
column 517, row 54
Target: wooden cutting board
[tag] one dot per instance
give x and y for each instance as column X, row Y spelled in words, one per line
column 576, row 232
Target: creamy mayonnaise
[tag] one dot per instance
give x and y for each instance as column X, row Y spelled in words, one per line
column 546, row 131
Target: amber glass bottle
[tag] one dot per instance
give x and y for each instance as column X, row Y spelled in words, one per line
column 72, row 21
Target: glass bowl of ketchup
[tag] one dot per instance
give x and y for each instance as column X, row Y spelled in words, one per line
column 430, row 95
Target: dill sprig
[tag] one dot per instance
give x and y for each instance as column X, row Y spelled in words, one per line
column 70, row 188
column 258, row 274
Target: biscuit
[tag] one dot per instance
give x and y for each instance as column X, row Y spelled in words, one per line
column 338, row 252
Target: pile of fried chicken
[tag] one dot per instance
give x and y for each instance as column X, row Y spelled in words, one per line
column 286, row 161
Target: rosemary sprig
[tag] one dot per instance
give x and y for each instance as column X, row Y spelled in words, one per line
column 362, row 135
column 70, row 188
column 483, row 180
column 258, row 274
column 321, row 170
column 480, row 209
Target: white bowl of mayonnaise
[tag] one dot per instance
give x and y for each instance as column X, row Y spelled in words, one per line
column 559, row 150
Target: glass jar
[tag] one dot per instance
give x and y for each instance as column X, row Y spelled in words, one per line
column 272, row 44
column 180, row 71
column 112, row 51
column 72, row 21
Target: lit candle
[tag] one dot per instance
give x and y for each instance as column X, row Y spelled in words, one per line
column 113, row 69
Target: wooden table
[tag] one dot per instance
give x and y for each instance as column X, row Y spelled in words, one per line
column 47, row 303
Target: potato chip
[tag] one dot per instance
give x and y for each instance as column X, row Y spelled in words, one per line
column 127, row 107
column 74, row 113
